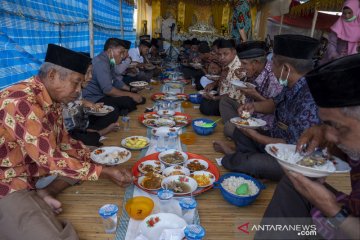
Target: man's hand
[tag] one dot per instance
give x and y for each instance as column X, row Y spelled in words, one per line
column 316, row 193
column 312, row 138
column 136, row 97
column 121, row 176
column 252, row 93
column 248, row 107
column 210, row 86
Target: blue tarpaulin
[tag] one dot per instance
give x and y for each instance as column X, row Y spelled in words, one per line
column 26, row 27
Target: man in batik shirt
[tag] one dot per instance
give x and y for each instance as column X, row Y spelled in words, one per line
column 230, row 65
column 294, row 110
column 34, row 144
column 265, row 84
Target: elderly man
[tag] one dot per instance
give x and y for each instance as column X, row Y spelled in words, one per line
column 34, row 143
column 230, row 64
column 300, row 200
column 106, row 86
column 294, row 110
column 253, row 59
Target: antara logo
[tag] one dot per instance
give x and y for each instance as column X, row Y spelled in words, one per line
column 244, row 228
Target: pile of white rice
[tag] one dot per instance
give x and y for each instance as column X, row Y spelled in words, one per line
column 232, row 183
column 199, row 123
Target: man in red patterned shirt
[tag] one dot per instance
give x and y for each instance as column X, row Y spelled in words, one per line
column 34, row 144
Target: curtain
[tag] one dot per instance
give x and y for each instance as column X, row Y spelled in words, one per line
column 141, row 16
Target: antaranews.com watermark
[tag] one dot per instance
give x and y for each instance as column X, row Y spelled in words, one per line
column 275, row 228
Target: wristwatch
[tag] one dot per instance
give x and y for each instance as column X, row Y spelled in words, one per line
column 339, row 218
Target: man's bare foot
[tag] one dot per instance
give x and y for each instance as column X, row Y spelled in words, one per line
column 54, row 204
column 222, row 147
column 112, row 127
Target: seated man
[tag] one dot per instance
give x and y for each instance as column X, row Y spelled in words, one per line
column 139, row 56
column 299, row 200
column 253, row 60
column 213, row 69
column 35, row 144
column 230, row 65
column 105, row 87
column 294, row 108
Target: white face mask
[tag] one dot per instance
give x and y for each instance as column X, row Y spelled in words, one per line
column 351, row 19
column 350, row 153
column 112, row 59
column 284, row 82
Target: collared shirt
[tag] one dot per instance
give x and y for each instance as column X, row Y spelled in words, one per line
column 104, row 78
column 135, row 55
column 34, row 142
column 295, row 112
column 269, row 87
column 225, row 83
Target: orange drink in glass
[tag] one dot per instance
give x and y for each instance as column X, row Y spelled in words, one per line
column 188, row 138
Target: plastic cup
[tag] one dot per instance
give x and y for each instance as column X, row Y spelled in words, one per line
column 194, row 232
column 126, row 123
column 108, row 213
column 188, row 138
column 188, row 206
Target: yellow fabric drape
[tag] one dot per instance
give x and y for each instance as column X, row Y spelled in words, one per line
column 156, row 12
column 141, row 17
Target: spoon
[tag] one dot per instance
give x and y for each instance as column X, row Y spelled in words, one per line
column 208, row 125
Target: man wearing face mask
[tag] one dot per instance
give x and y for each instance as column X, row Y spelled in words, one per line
column 294, row 110
column 336, row 91
column 107, row 88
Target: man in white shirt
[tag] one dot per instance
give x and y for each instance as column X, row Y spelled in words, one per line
column 140, row 53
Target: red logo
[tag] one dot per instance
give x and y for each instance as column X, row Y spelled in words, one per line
column 244, row 228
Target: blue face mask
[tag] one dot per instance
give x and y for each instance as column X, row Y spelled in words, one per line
column 351, row 19
column 112, row 60
column 284, row 82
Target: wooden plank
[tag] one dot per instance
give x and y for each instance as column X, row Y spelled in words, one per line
column 220, row 219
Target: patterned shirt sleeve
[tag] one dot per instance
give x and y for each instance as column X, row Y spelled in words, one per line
column 38, row 137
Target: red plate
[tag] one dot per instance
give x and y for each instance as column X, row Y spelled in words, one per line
column 160, row 96
column 212, row 168
column 188, row 118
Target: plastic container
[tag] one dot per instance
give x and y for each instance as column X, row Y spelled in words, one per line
column 108, row 213
column 194, row 232
column 139, row 207
column 126, row 123
column 237, row 200
column 204, row 131
column 195, row 98
column 188, row 207
column 167, row 203
column 172, row 140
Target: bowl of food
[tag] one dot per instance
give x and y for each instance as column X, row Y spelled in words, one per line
column 195, row 98
column 239, row 189
column 139, row 207
column 150, row 181
column 197, row 125
column 203, row 178
column 151, row 166
column 181, row 185
column 176, row 170
column 196, row 165
column 173, row 157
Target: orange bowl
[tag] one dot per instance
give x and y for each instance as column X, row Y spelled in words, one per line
column 139, row 208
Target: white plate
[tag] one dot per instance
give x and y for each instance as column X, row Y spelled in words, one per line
column 102, row 111
column 135, row 139
column 212, row 76
column 172, row 151
column 166, row 112
column 163, row 131
column 153, row 163
column 212, row 92
column 287, row 158
column 139, row 84
column 176, row 170
column 200, row 161
column 192, row 184
column 141, row 179
column 153, row 226
column 163, row 122
column 253, row 122
column 209, row 175
column 110, row 155
column 151, row 116
column 242, row 84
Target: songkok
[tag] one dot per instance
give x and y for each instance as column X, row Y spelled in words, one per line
column 295, row 46
column 225, row 43
column 204, row 48
column 187, row 42
column 336, row 84
column 126, row 44
column 67, row 58
column 251, row 49
column 194, row 41
column 145, row 37
column 145, row 43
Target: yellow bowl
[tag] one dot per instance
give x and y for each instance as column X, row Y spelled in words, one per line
column 139, row 208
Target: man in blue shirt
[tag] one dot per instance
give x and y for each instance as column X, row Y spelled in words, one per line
column 106, row 86
column 295, row 111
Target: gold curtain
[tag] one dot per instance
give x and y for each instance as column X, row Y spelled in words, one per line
column 140, row 17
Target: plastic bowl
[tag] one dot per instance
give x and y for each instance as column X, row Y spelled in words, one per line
column 139, row 208
column 237, row 200
column 204, row 131
column 195, row 98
